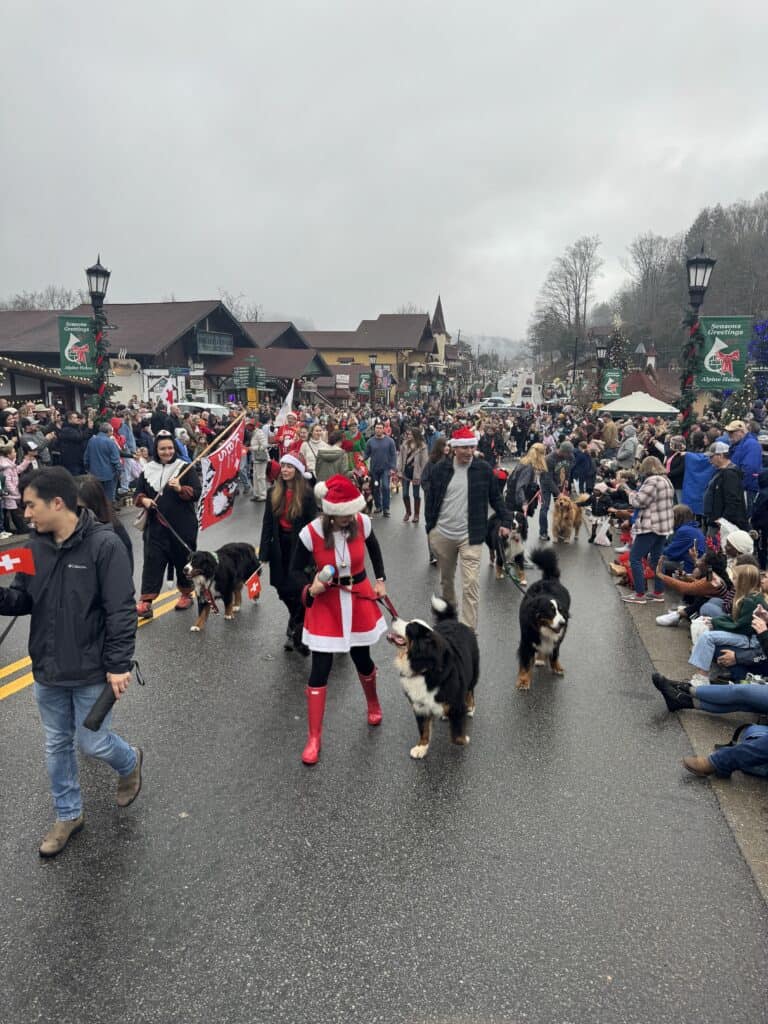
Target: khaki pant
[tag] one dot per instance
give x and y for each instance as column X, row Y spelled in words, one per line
column 468, row 555
column 260, row 480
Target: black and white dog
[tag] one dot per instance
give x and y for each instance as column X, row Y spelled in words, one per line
column 439, row 667
column 220, row 574
column 508, row 550
column 544, row 614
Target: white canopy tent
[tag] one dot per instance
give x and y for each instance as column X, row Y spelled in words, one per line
column 639, row 403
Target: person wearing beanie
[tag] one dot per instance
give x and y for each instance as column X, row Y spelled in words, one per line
column 626, row 456
column 341, row 610
column 456, row 514
column 289, row 507
column 724, row 495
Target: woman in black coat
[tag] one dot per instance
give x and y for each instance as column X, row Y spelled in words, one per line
column 168, row 500
column 289, row 507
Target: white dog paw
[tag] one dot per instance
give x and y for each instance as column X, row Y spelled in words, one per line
column 470, row 712
column 194, row 629
column 418, row 752
column 228, row 618
column 236, row 609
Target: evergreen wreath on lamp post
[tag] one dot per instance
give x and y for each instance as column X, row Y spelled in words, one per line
column 699, row 272
column 98, row 281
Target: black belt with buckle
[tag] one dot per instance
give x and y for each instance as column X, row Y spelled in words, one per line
column 348, row 581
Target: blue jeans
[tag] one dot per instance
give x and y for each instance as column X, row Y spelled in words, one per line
column 63, row 709
column 110, row 486
column 645, row 545
column 750, row 755
column 380, row 480
column 704, row 649
column 407, row 490
column 544, row 514
column 712, row 608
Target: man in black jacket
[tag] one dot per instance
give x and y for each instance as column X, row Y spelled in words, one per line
column 72, row 437
column 82, row 634
column 456, row 514
column 724, row 495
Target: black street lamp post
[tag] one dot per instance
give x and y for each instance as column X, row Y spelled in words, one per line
column 601, row 351
column 699, row 272
column 98, row 282
column 372, row 360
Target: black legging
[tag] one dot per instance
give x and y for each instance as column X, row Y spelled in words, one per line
column 160, row 551
column 287, row 591
column 322, row 661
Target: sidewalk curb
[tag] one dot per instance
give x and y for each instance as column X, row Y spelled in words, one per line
column 742, row 798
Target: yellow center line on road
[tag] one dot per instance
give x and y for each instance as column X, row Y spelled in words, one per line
column 166, row 601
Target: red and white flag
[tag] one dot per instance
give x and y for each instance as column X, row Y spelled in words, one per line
column 253, row 585
column 17, row 560
column 219, row 471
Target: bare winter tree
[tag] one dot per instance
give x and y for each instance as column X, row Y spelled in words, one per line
column 53, row 297
column 241, row 307
column 410, row 307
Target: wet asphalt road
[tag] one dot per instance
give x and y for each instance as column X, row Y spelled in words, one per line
column 562, row 868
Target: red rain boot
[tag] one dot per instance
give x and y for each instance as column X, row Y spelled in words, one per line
column 185, row 599
column 315, row 712
column 369, row 689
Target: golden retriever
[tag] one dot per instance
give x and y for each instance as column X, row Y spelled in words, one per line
column 566, row 519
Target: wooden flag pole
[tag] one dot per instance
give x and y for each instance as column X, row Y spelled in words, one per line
column 216, row 441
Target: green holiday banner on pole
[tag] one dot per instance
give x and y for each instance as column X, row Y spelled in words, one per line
column 724, row 352
column 77, row 347
column 610, row 386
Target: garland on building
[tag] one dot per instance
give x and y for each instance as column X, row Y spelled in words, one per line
column 691, row 358
column 104, row 390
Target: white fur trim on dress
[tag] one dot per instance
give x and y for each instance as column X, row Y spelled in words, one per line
column 439, row 605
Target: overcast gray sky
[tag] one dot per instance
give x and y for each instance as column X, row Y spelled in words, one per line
column 334, row 160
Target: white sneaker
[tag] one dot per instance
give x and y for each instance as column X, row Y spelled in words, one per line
column 668, row 619
column 700, row 680
column 5, row 535
column 623, row 548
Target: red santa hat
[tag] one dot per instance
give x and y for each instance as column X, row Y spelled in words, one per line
column 463, row 437
column 298, row 464
column 339, row 496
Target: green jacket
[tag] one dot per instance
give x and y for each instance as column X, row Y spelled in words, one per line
column 742, row 625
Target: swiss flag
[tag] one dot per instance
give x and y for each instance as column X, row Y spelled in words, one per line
column 253, row 584
column 17, row 560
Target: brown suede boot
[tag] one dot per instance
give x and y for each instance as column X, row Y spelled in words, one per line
column 128, row 786
column 416, row 510
column 407, row 503
column 59, row 835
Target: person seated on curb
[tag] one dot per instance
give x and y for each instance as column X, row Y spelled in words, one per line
column 708, row 580
column 687, row 542
column 723, row 631
column 750, row 756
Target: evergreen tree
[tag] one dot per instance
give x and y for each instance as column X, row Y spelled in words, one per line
column 618, row 348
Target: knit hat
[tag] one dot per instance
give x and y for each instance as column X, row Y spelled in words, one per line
column 298, row 464
column 339, row 496
column 740, row 540
column 629, row 430
column 463, row 438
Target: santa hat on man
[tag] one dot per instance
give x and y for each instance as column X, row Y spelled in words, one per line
column 463, row 437
column 339, row 496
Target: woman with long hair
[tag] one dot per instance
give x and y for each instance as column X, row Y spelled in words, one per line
column 91, row 495
column 289, row 507
column 654, row 501
column 734, row 631
column 170, row 533
column 411, row 460
column 526, row 478
column 342, row 614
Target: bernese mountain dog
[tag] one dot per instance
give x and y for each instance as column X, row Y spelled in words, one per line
column 220, row 575
column 544, row 614
column 439, row 667
column 508, row 551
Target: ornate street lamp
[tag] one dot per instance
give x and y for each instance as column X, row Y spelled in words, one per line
column 98, row 282
column 601, row 352
column 372, row 360
column 699, row 272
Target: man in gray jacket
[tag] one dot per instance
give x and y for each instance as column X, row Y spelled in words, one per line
column 381, row 450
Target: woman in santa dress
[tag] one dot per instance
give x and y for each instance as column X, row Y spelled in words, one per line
column 343, row 614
